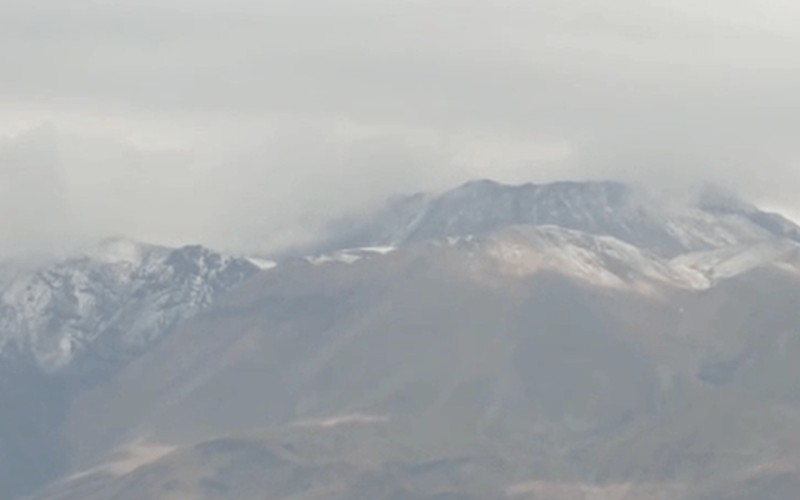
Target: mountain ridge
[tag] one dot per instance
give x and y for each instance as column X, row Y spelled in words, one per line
column 490, row 342
column 118, row 296
column 600, row 207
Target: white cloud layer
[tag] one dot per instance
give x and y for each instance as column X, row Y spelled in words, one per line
column 246, row 124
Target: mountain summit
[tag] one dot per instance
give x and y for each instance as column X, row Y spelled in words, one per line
column 602, row 208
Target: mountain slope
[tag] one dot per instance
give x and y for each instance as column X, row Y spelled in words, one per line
column 568, row 341
column 527, row 356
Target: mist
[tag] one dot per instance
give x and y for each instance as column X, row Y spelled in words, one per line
column 249, row 125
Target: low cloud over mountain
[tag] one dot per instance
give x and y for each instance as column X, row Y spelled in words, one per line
column 493, row 341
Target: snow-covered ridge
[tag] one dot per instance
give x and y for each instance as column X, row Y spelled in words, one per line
column 601, row 261
column 120, row 296
column 731, row 261
column 604, row 233
column 596, row 260
column 350, row 255
column 600, row 208
column 608, row 262
column 109, row 303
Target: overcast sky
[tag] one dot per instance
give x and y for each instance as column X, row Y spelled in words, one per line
column 244, row 124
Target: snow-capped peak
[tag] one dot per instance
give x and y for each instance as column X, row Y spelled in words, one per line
column 109, row 303
column 122, row 250
column 600, row 208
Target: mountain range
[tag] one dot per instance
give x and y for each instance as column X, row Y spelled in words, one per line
column 576, row 340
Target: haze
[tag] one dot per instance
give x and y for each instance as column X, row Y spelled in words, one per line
column 246, row 125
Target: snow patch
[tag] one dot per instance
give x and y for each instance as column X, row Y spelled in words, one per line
column 263, row 264
column 128, row 459
column 730, row 262
column 380, row 250
column 350, row 255
column 342, row 257
column 600, row 260
column 341, row 420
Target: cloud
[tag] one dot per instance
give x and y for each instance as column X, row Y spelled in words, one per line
column 246, row 123
column 33, row 202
